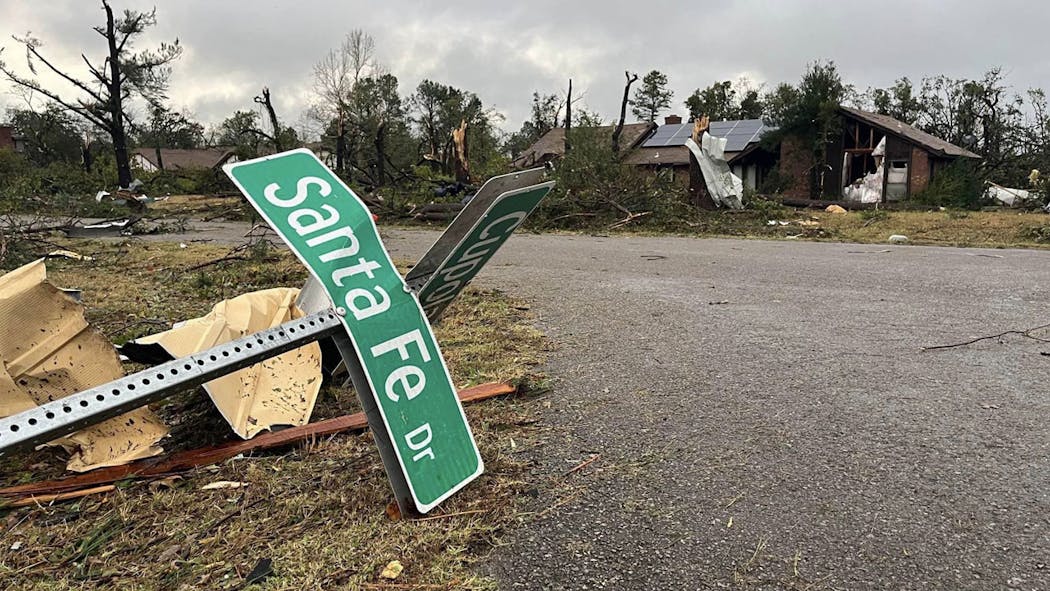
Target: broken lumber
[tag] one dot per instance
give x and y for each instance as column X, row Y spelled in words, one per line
column 187, row 460
column 54, row 498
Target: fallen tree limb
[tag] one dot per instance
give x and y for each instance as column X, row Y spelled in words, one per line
column 184, row 461
column 630, row 218
column 1022, row 333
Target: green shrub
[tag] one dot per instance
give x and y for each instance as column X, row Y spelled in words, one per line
column 775, row 182
column 185, row 182
column 769, row 208
column 954, row 186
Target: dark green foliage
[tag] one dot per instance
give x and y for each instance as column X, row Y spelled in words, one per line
column 717, row 101
column 651, row 97
column 240, row 132
column 22, row 180
column 898, row 101
column 955, row 186
column 170, row 129
column 437, row 109
column 594, row 189
column 50, row 135
column 809, row 112
column 775, row 182
column 725, row 101
column 185, row 182
column 545, row 110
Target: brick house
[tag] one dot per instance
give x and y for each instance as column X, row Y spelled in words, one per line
column 909, row 158
column 665, row 150
column 10, row 140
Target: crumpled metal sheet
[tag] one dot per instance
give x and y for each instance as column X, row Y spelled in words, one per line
column 725, row 188
column 47, row 352
column 279, row 391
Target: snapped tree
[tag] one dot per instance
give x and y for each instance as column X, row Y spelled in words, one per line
column 103, row 99
column 439, row 110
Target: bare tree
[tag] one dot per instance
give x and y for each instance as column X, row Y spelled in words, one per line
column 103, row 99
column 631, row 79
column 335, row 78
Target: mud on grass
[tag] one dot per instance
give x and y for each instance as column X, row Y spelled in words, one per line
column 318, row 511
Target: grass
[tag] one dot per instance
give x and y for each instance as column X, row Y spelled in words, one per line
column 317, row 511
column 984, row 229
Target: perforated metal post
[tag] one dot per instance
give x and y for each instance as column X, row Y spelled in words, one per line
column 61, row 417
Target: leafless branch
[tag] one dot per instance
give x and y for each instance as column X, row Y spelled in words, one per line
column 1027, row 333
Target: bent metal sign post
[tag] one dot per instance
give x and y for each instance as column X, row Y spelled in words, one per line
column 399, row 373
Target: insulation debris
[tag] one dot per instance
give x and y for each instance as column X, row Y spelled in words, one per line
column 725, row 188
column 106, row 228
column 868, row 188
column 51, row 353
column 279, row 391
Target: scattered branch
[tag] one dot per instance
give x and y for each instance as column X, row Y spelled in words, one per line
column 1021, row 333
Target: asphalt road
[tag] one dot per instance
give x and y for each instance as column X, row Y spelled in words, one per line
column 765, row 417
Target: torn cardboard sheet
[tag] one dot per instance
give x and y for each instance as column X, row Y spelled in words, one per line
column 47, row 352
column 279, row 391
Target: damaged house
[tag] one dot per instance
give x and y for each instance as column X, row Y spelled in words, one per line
column 11, row 140
column 875, row 159
column 665, row 150
column 661, row 149
column 551, row 145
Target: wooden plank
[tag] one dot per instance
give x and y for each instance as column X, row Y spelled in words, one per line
column 187, row 460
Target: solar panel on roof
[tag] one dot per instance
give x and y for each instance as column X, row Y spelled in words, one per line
column 737, row 133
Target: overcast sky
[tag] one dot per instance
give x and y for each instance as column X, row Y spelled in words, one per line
column 504, row 51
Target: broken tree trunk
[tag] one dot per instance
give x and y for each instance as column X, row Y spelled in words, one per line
column 697, row 185
column 631, row 79
column 460, row 162
column 264, row 100
column 340, row 144
column 568, row 117
column 380, row 152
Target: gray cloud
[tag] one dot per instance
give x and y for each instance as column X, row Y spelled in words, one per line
column 505, row 52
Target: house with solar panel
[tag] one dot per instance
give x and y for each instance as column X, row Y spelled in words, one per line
column 664, row 149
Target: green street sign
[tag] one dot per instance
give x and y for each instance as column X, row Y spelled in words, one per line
column 396, row 365
column 487, row 235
